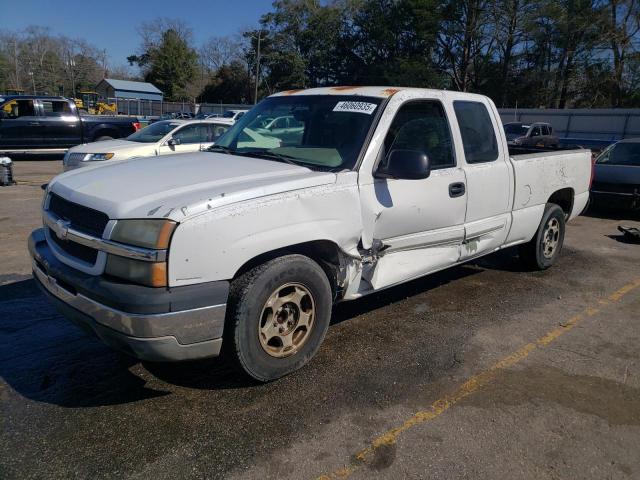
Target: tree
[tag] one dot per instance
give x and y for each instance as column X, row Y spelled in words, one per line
column 231, row 84
column 465, row 41
column 621, row 32
column 170, row 65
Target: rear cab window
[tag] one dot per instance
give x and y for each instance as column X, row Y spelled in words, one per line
column 477, row 132
column 55, row 108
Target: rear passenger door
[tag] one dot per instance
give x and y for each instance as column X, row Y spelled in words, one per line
column 60, row 125
column 488, row 177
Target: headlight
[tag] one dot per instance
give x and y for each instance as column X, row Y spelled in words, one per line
column 517, row 141
column 154, row 234
column 152, row 274
column 144, row 233
column 97, row 157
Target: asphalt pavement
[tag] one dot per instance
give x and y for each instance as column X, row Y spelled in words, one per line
column 483, row 371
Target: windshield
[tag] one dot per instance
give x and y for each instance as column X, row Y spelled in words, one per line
column 318, row 131
column 515, row 129
column 621, row 154
column 229, row 114
column 153, row 133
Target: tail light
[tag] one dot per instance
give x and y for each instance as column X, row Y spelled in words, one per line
column 136, row 126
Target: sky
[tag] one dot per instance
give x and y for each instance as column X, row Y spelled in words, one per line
column 111, row 24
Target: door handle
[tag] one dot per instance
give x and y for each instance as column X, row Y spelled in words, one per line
column 456, row 189
column 34, row 123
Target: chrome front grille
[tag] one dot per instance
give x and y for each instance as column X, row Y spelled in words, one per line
column 78, row 218
column 81, row 218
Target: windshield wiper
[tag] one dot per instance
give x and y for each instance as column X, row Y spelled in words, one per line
column 278, row 157
column 220, row 148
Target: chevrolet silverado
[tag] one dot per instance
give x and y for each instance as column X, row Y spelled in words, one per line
column 243, row 250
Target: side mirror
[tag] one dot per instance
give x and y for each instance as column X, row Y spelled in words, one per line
column 172, row 142
column 405, row 165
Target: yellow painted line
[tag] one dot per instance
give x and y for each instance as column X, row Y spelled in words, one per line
column 474, row 383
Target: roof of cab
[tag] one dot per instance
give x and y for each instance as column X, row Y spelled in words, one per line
column 380, row 91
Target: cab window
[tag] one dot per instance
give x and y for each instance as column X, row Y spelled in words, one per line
column 422, row 126
column 55, row 108
column 18, row 108
column 478, row 137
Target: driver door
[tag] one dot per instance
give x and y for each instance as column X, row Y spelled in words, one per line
column 419, row 222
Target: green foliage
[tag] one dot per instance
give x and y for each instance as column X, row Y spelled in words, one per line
column 229, row 85
column 170, row 65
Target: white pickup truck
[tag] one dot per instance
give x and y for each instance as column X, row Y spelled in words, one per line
column 243, row 250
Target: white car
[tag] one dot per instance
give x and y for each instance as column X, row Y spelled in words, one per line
column 160, row 138
column 234, row 115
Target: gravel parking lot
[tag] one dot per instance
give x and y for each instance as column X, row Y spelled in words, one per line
column 482, row 371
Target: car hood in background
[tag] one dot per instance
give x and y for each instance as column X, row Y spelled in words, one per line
column 106, row 146
column 182, row 185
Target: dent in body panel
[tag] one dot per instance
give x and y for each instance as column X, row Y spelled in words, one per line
column 214, row 244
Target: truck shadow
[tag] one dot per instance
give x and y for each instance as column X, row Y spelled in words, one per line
column 46, row 358
column 613, row 214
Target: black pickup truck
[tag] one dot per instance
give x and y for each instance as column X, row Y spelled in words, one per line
column 42, row 124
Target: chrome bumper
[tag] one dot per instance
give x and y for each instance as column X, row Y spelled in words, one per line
column 186, row 334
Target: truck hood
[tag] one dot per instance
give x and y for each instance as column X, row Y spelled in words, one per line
column 106, row 146
column 182, row 185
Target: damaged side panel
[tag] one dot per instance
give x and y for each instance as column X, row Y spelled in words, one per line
column 216, row 243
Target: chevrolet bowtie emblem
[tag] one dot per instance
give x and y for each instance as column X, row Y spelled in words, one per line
column 62, row 229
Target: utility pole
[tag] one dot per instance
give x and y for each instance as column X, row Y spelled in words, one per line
column 255, row 95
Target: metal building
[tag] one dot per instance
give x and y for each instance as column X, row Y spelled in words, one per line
column 127, row 89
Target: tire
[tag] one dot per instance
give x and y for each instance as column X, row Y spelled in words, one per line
column 277, row 316
column 103, row 137
column 543, row 249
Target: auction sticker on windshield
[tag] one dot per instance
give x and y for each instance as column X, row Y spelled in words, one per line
column 355, row 107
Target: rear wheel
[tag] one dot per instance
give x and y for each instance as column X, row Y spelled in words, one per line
column 544, row 248
column 277, row 316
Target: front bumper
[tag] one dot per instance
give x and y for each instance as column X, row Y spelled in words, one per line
column 155, row 324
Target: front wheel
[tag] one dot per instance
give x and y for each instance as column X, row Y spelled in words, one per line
column 277, row 316
column 544, row 248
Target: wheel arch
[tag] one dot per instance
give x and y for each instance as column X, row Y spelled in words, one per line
column 326, row 253
column 564, row 199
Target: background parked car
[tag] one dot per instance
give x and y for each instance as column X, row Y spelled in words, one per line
column 30, row 123
column 537, row 134
column 234, row 114
column 160, row 138
column 616, row 180
column 286, row 128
